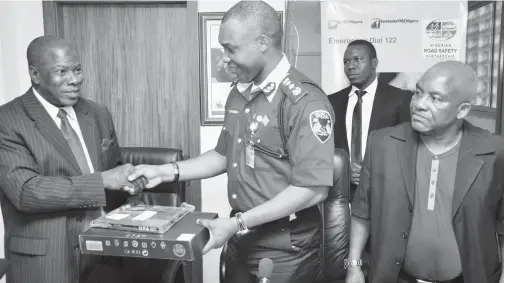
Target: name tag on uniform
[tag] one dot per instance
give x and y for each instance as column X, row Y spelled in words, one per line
column 249, row 156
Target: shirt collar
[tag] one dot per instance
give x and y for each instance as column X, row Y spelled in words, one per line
column 371, row 89
column 53, row 110
column 275, row 77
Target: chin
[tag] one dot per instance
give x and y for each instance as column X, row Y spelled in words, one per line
column 420, row 127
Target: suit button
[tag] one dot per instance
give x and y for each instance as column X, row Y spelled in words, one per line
column 78, row 219
column 411, row 208
column 76, row 247
column 235, row 165
column 234, row 196
column 404, row 235
column 239, row 140
column 398, row 262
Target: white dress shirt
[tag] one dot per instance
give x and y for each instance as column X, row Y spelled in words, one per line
column 276, row 76
column 366, row 113
column 72, row 119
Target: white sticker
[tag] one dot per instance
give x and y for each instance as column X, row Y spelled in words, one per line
column 185, row 237
column 94, row 246
column 145, row 215
column 117, row 216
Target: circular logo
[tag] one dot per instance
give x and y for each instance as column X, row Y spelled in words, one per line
column 441, row 29
column 179, row 250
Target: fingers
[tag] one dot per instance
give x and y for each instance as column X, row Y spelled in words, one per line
column 137, row 172
column 203, row 222
column 207, row 247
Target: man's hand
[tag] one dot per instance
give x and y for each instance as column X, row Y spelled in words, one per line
column 354, row 275
column 155, row 174
column 220, row 230
column 117, row 179
column 355, row 169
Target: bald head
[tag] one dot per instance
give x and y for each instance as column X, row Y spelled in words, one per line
column 41, row 50
column 442, row 98
column 55, row 70
column 257, row 16
column 459, row 79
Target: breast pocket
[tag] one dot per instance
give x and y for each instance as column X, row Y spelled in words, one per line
column 268, row 148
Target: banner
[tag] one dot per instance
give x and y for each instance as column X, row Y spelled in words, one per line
column 409, row 36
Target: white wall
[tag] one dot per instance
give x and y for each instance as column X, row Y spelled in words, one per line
column 20, row 23
column 214, row 191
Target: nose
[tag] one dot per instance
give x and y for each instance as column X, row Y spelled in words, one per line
column 419, row 102
column 74, row 79
column 226, row 58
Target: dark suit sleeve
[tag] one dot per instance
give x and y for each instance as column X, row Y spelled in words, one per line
column 30, row 192
column 361, row 202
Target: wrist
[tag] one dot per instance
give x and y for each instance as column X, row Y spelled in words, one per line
column 167, row 172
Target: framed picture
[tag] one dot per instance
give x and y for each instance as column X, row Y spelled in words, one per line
column 215, row 80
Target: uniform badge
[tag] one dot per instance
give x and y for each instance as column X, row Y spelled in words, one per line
column 321, row 125
column 269, row 88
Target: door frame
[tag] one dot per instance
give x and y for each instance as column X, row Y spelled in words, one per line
column 53, row 25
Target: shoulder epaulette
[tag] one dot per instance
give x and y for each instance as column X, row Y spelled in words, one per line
column 293, row 88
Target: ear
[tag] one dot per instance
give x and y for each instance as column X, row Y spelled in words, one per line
column 34, row 75
column 375, row 62
column 463, row 110
column 263, row 41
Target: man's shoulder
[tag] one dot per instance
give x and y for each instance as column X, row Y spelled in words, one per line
column 341, row 93
column 96, row 107
column 12, row 108
column 298, row 87
column 397, row 131
column 495, row 140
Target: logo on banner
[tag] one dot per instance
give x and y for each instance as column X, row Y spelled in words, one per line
column 332, row 24
column 441, row 29
column 376, row 23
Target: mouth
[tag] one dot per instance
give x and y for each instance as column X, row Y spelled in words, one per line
column 72, row 93
column 418, row 117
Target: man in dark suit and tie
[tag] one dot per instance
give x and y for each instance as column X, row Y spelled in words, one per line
column 58, row 154
column 431, row 191
column 366, row 105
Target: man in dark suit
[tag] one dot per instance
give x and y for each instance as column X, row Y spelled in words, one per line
column 431, row 191
column 58, row 154
column 366, row 105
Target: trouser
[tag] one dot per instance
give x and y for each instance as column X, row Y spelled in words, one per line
column 293, row 246
column 406, row 278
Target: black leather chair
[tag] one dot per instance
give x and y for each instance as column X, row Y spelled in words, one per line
column 167, row 194
column 336, row 218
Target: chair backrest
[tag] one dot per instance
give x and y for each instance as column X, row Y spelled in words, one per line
column 167, row 194
column 336, row 221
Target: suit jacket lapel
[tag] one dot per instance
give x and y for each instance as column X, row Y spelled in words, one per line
column 407, row 152
column 469, row 165
column 46, row 126
column 380, row 104
column 85, row 118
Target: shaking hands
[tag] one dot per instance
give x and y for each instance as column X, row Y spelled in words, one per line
column 117, row 179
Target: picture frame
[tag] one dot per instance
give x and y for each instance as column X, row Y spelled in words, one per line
column 215, row 80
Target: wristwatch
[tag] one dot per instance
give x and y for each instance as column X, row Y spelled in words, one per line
column 352, row 262
column 242, row 228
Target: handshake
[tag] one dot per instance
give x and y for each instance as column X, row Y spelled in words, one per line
column 134, row 179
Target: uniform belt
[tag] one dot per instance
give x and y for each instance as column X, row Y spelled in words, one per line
column 412, row 279
column 282, row 221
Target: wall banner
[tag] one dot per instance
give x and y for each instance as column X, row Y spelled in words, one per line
column 409, row 36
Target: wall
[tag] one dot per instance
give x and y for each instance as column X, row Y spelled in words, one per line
column 214, row 191
column 20, row 22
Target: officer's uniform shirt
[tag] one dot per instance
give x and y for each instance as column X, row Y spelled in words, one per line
column 306, row 160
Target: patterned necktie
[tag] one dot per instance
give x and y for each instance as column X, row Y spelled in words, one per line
column 356, row 129
column 73, row 141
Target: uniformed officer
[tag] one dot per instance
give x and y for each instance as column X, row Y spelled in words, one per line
column 276, row 146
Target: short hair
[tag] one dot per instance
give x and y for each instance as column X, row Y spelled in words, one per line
column 257, row 16
column 367, row 44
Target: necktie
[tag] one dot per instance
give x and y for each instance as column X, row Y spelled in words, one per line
column 73, row 141
column 356, row 129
